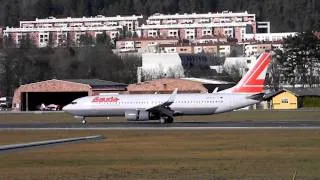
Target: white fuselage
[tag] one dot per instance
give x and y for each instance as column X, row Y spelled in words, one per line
column 184, row 104
column 143, row 107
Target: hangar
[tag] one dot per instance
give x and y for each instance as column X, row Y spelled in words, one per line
column 184, row 85
column 61, row 92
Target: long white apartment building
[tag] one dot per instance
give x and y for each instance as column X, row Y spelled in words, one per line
column 59, row 29
column 131, row 22
column 194, row 26
column 269, row 36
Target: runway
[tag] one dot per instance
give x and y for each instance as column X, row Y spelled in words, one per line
column 197, row 125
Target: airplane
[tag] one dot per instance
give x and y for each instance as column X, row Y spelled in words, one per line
column 163, row 107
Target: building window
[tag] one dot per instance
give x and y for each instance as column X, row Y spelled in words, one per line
column 44, row 39
column 285, row 101
column 61, row 38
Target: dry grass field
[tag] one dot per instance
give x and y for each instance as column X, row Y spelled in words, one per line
column 231, row 116
column 222, row 154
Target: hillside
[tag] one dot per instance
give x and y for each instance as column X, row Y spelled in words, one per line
column 285, row 15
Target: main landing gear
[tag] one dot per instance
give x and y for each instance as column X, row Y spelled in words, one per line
column 166, row 120
column 84, row 121
column 82, row 118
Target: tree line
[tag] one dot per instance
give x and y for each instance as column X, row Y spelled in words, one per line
column 285, row 15
column 298, row 64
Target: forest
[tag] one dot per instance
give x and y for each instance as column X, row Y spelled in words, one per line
column 285, row 15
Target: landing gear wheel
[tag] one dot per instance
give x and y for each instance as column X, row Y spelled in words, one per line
column 163, row 120
column 170, row 120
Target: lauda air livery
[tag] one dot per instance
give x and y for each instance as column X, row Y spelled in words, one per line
column 164, row 107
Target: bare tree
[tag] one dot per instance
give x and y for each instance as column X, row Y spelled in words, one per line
column 235, row 71
column 273, row 75
column 158, row 73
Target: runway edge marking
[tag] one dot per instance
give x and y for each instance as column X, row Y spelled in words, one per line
column 10, row 147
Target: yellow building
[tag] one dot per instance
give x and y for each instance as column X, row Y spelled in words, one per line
column 285, row 100
column 294, row 98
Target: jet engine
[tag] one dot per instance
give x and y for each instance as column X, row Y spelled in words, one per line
column 140, row 115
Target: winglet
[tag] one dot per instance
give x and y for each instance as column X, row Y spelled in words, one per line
column 165, row 104
column 215, row 90
column 173, row 96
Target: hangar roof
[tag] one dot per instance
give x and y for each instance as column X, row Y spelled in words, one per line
column 166, row 85
column 208, row 81
column 94, row 83
column 305, row 91
column 71, row 85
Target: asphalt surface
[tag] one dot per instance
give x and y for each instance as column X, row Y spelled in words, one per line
column 312, row 124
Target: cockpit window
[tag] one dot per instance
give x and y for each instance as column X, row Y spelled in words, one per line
column 73, row 102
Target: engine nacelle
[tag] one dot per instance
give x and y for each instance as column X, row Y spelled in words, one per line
column 140, row 115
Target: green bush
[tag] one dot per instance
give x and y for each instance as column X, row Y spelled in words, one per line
column 311, row 102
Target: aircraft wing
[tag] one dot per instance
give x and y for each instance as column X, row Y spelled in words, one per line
column 164, row 107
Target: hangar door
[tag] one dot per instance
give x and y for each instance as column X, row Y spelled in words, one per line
column 31, row 101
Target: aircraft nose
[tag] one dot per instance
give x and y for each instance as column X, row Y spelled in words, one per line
column 66, row 108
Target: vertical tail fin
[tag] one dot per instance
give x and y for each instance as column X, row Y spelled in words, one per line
column 253, row 81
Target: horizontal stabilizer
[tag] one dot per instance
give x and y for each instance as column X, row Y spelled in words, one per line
column 258, row 97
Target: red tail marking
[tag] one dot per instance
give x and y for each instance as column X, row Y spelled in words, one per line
column 250, row 82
